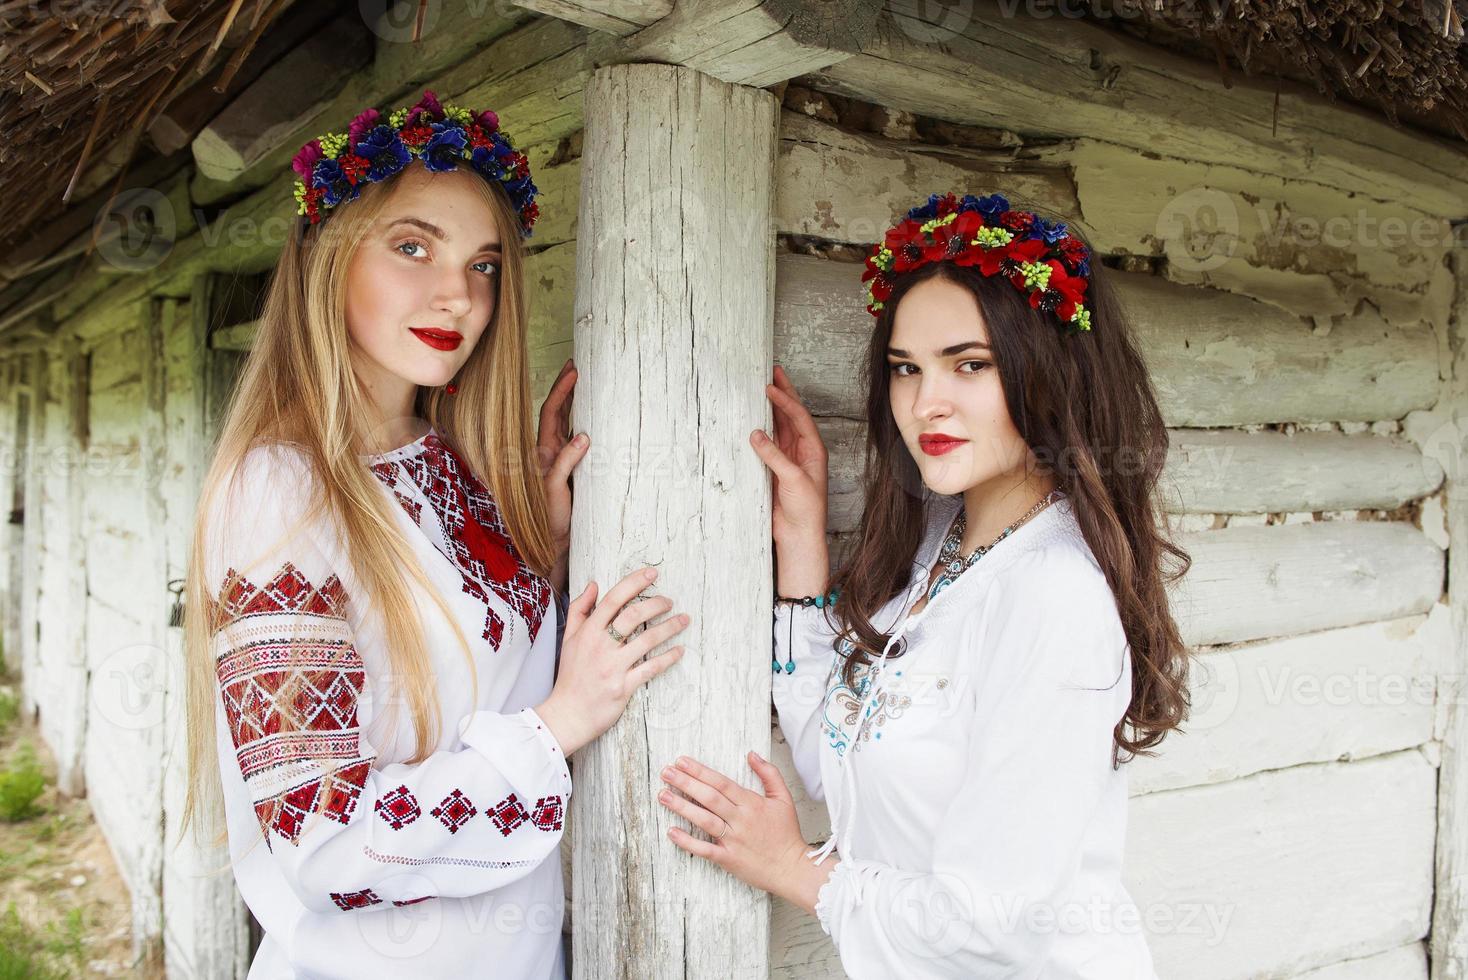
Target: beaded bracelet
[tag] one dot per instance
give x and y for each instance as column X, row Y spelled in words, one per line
column 818, row 601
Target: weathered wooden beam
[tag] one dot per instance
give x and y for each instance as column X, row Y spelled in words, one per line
column 755, row 42
column 1217, row 359
column 1450, row 440
column 1061, row 77
column 673, row 315
column 1250, row 583
column 618, row 17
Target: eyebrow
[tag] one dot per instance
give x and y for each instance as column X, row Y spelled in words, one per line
column 945, row 352
column 438, row 232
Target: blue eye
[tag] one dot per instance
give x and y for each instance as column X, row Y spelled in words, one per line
column 410, row 245
column 492, row 270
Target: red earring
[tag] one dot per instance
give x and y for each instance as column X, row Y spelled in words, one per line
column 451, row 388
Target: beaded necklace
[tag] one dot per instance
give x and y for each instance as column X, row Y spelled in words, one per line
column 948, row 558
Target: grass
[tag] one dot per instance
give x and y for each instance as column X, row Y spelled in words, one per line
column 21, row 784
column 54, row 952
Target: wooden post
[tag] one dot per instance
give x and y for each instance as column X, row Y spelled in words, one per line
column 673, row 339
column 1449, row 940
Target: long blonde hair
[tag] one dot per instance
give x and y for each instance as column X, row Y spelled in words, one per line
column 298, row 387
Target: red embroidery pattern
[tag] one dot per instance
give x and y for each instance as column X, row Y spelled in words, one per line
column 470, row 523
column 399, row 808
column 548, row 814
column 290, row 638
column 355, row 900
column 455, row 811
column 508, row 814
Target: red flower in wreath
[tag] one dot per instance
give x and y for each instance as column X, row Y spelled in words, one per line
column 951, row 240
column 906, row 243
column 1068, row 292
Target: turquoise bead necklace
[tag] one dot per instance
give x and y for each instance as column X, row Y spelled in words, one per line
column 953, row 565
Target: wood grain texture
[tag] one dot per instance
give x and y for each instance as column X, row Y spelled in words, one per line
column 1216, row 359
column 673, row 316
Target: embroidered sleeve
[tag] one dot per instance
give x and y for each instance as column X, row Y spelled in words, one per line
column 345, row 832
column 1007, row 848
column 804, row 654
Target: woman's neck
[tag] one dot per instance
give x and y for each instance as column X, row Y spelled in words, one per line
column 993, row 505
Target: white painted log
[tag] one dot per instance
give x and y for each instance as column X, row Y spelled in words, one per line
column 28, row 577
column 1407, row 962
column 61, row 677
column 839, row 186
column 1059, row 76
column 1450, row 438
column 205, row 922
column 1215, row 472
column 673, row 339
column 1222, row 472
column 756, row 42
column 1250, row 583
column 1304, row 867
column 1339, row 694
column 1304, row 246
column 1236, row 361
column 123, row 519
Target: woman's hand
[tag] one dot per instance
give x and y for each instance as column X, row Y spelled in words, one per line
column 754, row 837
column 557, row 455
column 598, row 674
column 797, row 460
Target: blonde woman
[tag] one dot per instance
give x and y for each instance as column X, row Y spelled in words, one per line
column 373, row 675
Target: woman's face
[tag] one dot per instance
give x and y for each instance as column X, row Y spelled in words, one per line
column 945, row 392
column 422, row 285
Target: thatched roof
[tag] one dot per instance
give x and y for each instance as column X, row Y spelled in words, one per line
column 89, row 90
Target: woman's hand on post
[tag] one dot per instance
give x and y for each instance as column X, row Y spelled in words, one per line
column 598, row 674
column 796, row 458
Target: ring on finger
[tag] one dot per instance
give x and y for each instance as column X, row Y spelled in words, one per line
column 722, row 832
column 612, row 632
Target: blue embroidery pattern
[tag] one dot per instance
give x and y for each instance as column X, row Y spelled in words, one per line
column 843, row 703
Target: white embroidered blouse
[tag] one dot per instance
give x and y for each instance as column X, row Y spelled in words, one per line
column 446, row 867
column 979, row 822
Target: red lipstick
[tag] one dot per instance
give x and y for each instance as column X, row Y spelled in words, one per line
column 438, row 339
column 938, row 444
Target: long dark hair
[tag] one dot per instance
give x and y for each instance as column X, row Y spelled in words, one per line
column 1085, row 406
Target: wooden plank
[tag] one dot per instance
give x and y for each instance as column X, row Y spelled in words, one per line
column 1338, row 694
column 1216, row 472
column 1450, row 439
column 617, row 17
column 1268, row 873
column 1408, row 962
column 1238, row 362
column 1222, row 472
column 755, row 42
column 1059, row 76
column 550, row 290
column 839, row 186
column 1249, row 583
column 672, row 332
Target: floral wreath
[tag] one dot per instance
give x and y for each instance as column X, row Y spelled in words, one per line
column 1037, row 256
column 333, row 168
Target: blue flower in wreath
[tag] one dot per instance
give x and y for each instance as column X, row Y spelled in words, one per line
column 328, row 176
column 991, row 207
column 487, row 162
column 1050, row 231
column 519, row 187
column 926, row 212
column 386, row 152
column 445, row 148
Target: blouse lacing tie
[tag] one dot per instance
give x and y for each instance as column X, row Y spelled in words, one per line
column 839, row 814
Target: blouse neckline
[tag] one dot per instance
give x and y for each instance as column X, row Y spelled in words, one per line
column 401, row 452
